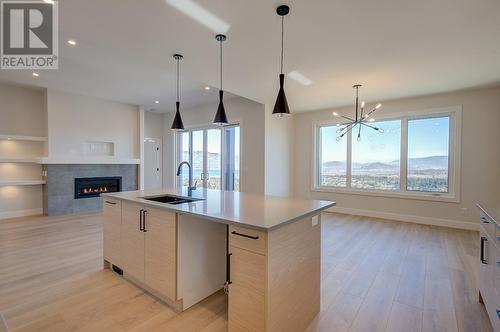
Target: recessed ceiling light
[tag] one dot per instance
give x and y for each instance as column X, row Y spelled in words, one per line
column 298, row 77
column 200, row 15
column 207, row 88
column 49, row 1
column 72, row 42
column 35, row 74
column 157, row 101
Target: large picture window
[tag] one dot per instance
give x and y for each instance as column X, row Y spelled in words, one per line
column 417, row 156
column 375, row 158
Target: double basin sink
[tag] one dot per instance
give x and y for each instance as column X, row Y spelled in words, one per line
column 170, row 199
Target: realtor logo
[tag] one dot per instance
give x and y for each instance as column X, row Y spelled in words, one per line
column 29, row 31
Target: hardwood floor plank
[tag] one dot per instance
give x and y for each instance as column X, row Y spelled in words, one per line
column 404, row 318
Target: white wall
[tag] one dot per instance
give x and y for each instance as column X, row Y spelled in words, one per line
column 250, row 115
column 279, row 151
column 74, row 120
column 22, row 111
column 480, row 167
column 154, row 124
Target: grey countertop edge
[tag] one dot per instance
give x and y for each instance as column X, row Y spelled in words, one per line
column 485, row 210
column 221, row 220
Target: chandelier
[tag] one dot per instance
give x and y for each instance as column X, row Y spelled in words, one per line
column 361, row 119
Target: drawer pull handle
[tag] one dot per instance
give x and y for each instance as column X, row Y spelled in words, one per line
column 244, row 235
column 483, row 240
column 484, row 220
column 144, row 220
column 112, row 203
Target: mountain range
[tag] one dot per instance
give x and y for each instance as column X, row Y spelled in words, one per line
column 433, row 162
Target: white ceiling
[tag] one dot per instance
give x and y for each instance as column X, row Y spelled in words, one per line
column 395, row 48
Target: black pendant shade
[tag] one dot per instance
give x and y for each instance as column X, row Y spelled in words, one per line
column 177, row 123
column 281, row 105
column 220, row 116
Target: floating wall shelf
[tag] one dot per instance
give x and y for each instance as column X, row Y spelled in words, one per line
column 21, row 183
column 23, row 138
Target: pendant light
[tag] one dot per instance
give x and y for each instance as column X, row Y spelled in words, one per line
column 281, row 105
column 177, row 125
column 220, row 116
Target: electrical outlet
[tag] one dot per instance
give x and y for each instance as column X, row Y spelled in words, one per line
column 314, row 221
column 463, row 210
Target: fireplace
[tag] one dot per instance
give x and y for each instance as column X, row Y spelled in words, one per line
column 93, row 187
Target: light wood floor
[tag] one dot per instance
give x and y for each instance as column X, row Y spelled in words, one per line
column 376, row 276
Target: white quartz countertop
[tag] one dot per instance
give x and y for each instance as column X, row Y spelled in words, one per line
column 492, row 211
column 260, row 212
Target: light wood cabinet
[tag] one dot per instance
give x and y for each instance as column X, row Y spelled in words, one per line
column 160, row 251
column 148, row 248
column 132, row 241
column 247, row 292
column 275, row 277
column 489, row 269
column 112, row 219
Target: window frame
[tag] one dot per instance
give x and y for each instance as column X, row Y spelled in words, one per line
column 454, row 157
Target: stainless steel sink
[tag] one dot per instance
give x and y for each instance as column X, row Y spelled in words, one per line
column 170, row 199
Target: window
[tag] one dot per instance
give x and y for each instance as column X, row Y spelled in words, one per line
column 333, row 169
column 428, row 153
column 375, row 158
column 214, row 154
column 417, row 156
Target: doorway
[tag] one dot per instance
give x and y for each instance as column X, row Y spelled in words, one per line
column 214, row 153
column 153, row 164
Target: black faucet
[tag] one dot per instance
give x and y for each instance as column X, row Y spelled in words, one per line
column 190, row 184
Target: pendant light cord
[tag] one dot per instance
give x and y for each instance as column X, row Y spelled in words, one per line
column 178, row 65
column 357, row 88
column 220, row 64
column 282, row 55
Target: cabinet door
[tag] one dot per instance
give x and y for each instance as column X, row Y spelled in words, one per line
column 246, row 310
column 112, row 220
column 161, row 254
column 132, row 243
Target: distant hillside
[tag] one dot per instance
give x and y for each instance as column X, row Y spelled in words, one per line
column 434, row 162
column 334, row 164
column 374, row 166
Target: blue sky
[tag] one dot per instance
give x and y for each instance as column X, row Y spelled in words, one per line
column 426, row 137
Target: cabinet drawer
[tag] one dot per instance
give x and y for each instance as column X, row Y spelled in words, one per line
column 488, row 225
column 249, row 239
column 111, row 205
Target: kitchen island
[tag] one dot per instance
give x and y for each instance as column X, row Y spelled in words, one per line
column 263, row 250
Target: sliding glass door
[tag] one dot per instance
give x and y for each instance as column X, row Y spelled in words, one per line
column 213, row 153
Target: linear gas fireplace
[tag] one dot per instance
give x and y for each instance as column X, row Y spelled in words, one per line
column 93, row 187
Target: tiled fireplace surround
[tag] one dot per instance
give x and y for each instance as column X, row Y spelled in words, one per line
column 59, row 192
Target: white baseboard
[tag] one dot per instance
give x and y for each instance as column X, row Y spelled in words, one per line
column 20, row 213
column 407, row 218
